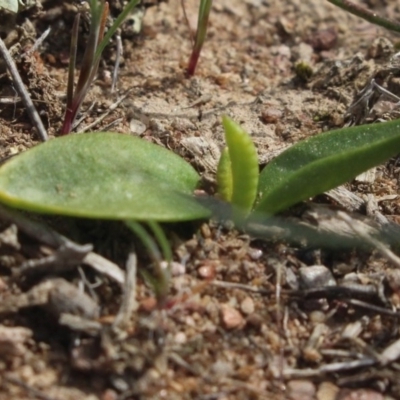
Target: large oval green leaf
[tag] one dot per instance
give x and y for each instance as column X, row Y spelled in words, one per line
column 323, row 162
column 102, row 175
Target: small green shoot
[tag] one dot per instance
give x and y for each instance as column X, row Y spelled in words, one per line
column 200, row 37
column 159, row 281
column 96, row 43
column 238, row 168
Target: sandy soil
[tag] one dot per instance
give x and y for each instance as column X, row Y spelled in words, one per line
column 285, row 70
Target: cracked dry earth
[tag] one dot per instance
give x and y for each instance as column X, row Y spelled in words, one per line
column 277, row 313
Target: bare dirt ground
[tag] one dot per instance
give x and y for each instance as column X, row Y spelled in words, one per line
column 285, row 70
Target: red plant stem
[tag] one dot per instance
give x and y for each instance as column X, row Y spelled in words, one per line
column 194, row 58
column 202, row 23
column 67, row 124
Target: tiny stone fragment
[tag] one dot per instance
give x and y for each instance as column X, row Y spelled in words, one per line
column 232, row 318
column 359, row 394
column 316, row 276
column 327, row 391
column 12, row 340
column 222, row 368
column 176, row 267
column 317, row 316
column 301, row 390
column 247, row 306
column 9, row 237
column 137, row 127
column 206, row 271
column 254, row 254
column 271, row 115
column 324, row 39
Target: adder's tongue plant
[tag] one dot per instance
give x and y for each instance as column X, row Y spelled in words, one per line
column 97, row 41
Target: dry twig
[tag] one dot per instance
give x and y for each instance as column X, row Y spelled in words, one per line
column 384, row 250
column 129, row 304
column 48, row 236
column 30, row 107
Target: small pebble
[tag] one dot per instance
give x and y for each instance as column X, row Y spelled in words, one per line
column 222, row 368
column 109, row 394
column 360, row 394
column 301, row 390
column 255, row 254
column 180, row 338
column 137, row 127
column 327, row 391
column 315, row 276
column 12, row 340
column 176, row 268
column 317, row 316
column 271, row 115
column 247, row 306
column 3, row 285
column 148, row 304
column 205, row 231
column 206, row 271
column 232, row 318
column 323, row 39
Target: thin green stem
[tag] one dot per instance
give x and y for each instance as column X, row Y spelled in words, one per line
column 161, row 239
column 160, row 281
column 202, row 23
column 366, row 14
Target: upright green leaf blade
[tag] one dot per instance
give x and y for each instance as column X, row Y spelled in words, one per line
column 325, row 161
column 224, row 176
column 244, row 165
column 102, row 175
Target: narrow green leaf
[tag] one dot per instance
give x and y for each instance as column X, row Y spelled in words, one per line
column 325, row 161
column 244, row 164
column 161, row 277
column 224, row 176
column 102, row 175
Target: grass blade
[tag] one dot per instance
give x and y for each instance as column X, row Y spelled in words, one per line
column 202, row 23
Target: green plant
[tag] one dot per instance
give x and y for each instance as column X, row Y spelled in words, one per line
column 309, row 167
column 113, row 176
column 200, row 36
column 97, row 41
